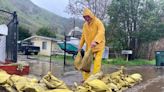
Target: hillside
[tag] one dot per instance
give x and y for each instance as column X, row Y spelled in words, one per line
column 34, row 17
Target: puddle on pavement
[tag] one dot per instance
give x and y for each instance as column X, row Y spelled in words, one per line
column 41, row 68
column 156, row 86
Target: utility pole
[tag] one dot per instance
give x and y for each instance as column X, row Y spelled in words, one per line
column 51, row 56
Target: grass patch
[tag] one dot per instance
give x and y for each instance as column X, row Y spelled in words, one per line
column 115, row 61
column 61, row 58
column 57, row 58
column 136, row 62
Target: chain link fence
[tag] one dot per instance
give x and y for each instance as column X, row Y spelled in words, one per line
column 10, row 19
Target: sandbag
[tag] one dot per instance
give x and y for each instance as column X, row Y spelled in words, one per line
column 97, row 85
column 17, row 82
column 8, row 88
column 130, row 80
column 122, row 83
column 3, row 76
column 113, row 87
column 53, row 83
column 87, row 61
column 106, row 78
column 95, row 76
column 77, row 61
column 33, row 87
column 84, row 88
column 81, row 89
column 117, row 73
column 59, row 90
column 137, row 77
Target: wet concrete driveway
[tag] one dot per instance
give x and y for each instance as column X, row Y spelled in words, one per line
column 153, row 77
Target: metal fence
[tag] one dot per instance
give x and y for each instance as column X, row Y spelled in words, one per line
column 10, row 19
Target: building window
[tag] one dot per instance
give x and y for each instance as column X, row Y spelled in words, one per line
column 32, row 43
column 44, row 45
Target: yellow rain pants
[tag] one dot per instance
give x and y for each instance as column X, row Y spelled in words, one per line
column 96, row 66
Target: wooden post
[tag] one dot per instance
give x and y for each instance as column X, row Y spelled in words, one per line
column 64, row 50
column 127, row 57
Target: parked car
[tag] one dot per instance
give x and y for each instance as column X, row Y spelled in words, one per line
column 28, row 48
column 70, row 48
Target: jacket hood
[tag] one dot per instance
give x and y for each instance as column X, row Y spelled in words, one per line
column 87, row 12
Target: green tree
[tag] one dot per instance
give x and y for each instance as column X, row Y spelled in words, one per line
column 45, row 31
column 134, row 22
column 23, row 33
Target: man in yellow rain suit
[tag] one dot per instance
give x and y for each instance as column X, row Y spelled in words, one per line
column 94, row 36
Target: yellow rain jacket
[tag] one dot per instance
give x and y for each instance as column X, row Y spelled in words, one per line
column 94, row 31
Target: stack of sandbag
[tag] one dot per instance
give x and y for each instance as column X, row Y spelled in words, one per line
column 3, row 81
column 15, row 83
column 23, row 84
column 120, row 81
column 114, row 82
column 99, row 82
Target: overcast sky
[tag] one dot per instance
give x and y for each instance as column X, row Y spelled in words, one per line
column 55, row 6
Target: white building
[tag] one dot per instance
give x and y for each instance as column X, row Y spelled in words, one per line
column 3, row 34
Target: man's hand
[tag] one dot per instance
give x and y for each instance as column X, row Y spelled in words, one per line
column 93, row 44
column 79, row 49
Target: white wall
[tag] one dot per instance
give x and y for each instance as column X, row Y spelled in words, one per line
column 2, row 48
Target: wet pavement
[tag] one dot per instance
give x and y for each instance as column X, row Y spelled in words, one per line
column 153, row 85
column 153, row 77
